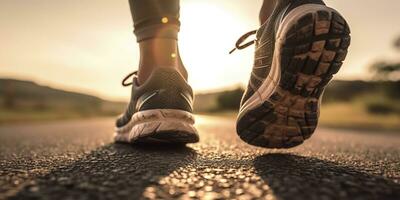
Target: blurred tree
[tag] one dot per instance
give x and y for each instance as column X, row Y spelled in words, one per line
column 389, row 75
column 389, row 72
column 386, row 71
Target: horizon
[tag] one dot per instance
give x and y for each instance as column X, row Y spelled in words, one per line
column 206, row 92
column 44, row 33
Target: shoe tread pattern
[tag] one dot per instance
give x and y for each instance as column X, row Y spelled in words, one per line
column 313, row 51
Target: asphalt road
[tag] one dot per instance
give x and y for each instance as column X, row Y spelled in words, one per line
column 78, row 160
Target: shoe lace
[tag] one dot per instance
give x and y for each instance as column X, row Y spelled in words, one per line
column 124, row 81
column 244, row 37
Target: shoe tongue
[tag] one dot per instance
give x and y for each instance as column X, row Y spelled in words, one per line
column 260, row 31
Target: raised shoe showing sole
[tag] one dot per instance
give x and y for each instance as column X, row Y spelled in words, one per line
column 310, row 45
column 160, row 111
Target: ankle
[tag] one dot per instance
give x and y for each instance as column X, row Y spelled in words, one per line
column 159, row 53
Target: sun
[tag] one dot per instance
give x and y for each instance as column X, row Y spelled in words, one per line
column 207, row 34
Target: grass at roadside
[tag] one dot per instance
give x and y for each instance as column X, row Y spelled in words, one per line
column 355, row 116
column 346, row 116
column 340, row 115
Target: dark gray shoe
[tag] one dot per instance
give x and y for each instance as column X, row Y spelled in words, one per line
column 298, row 50
column 160, row 110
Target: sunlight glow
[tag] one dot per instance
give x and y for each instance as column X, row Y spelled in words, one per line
column 63, row 44
column 208, row 33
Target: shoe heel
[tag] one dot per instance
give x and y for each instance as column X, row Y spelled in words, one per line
column 159, row 126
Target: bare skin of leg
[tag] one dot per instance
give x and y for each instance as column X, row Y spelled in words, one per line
column 156, row 53
column 266, row 10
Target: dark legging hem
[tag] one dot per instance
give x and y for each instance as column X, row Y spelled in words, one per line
column 155, row 18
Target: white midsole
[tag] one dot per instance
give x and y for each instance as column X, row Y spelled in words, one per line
column 144, row 123
column 271, row 83
column 157, row 115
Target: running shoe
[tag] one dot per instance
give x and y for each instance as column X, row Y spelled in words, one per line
column 160, row 110
column 299, row 48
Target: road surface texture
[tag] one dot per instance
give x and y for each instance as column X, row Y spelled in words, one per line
column 78, row 160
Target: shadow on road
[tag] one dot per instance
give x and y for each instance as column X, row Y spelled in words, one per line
column 114, row 171
column 291, row 176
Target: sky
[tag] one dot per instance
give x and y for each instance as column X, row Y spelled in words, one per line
column 88, row 45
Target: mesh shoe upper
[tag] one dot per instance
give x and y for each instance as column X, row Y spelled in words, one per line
column 164, row 89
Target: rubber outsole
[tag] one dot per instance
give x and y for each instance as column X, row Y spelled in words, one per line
column 311, row 52
column 159, row 126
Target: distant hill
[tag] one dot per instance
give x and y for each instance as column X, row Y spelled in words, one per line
column 29, row 91
column 18, row 96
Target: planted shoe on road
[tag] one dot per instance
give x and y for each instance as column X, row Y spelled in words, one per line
column 160, row 110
